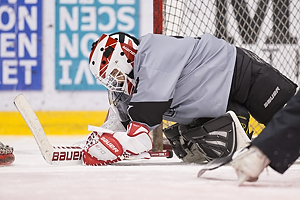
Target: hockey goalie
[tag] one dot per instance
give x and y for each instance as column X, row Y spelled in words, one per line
column 6, row 154
column 194, row 81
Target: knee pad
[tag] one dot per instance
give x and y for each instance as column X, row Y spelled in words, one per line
column 242, row 114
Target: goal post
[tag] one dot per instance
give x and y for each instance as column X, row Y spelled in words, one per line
column 157, row 16
column 269, row 28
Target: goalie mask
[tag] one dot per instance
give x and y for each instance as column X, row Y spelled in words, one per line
column 111, row 61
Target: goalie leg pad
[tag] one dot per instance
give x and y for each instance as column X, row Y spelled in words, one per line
column 173, row 135
column 219, row 137
column 185, row 150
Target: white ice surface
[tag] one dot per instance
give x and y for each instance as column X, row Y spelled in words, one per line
column 30, row 178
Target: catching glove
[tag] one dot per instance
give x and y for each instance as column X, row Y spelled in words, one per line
column 106, row 148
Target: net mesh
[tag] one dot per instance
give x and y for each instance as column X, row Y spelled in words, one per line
column 271, row 29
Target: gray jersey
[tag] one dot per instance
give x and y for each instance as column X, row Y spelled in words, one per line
column 195, row 73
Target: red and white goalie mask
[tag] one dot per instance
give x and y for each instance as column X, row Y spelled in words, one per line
column 111, row 61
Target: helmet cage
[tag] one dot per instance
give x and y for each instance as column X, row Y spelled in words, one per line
column 115, row 82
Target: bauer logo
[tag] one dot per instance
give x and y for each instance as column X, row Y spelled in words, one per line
column 20, row 45
column 66, row 155
column 78, row 23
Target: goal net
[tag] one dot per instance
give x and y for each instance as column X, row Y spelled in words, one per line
column 270, row 28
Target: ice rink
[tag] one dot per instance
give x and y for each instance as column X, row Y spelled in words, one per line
column 30, row 178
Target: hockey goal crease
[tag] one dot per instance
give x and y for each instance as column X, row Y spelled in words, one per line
column 59, row 155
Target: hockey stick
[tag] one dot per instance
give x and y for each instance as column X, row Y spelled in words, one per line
column 35, row 127
column 166, row 153
column 52, row 154
column 214, row 164
column 61, row 155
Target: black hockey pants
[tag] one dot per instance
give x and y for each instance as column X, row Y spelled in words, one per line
column 259, row 87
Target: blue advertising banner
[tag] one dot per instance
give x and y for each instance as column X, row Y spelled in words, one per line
column 21, row 45
column 78, row 24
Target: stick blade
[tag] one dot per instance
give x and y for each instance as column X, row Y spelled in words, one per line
column 214, row 164
column 35, row 127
